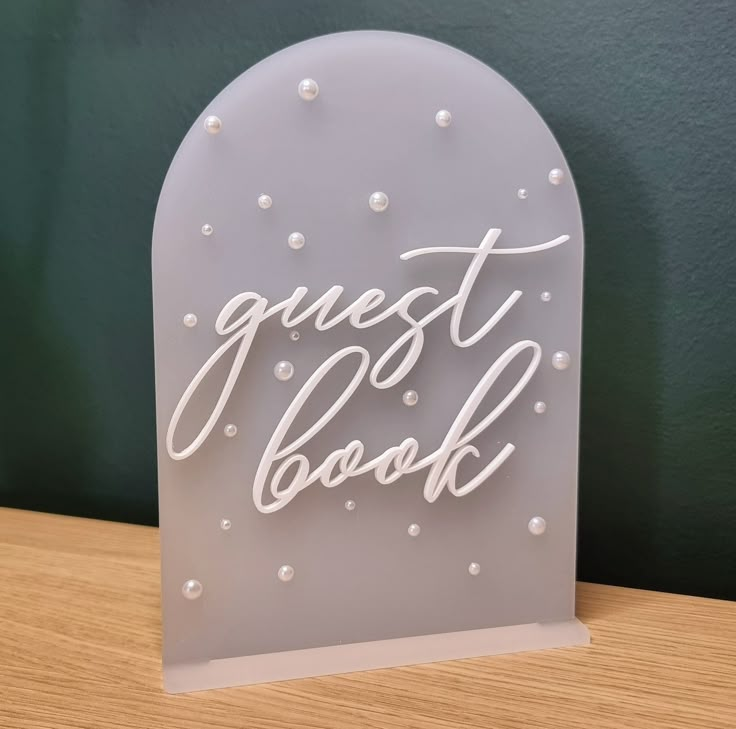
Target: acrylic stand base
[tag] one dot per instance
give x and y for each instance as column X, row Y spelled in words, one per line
column 376, row 654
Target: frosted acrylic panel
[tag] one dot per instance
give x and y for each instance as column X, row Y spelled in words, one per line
column 358, row 574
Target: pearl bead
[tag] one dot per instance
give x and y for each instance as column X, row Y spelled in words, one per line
column 414, row 530
column 264, row 202
column 410, row 398
column 286, row 573
column 213, row 124
column 443, row 118
column 540, row 407
column 556, row 176
column 545, row 296
column 231, row 430
column 378, row 202
column 560, row 360
column 225, row 524
column 190, row 320
column 294, row 336
column 192, row 589
column 350, row 505
column 296, row 241
column 283, row 371
column 308, row 89
column 522, row 193
column 207, row 229
column 537, row 525
column 474, row 569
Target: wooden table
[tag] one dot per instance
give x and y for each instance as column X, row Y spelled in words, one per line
column 80, row 639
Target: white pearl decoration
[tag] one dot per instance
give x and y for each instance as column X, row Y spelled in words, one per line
column 537, row 526
column 474, row 569
column 308, row 89
column 213, row 125
column 545, row 296
column 522, row 193
column 443, row 118
column 540, row 407
column 225, row 524
column 190, row 320
column 283, row 371
column 286, row 573
column 294, row 336
column 350, row 505
column 207, row 229
column 264, row 202
column 378, row 202
column 410, row 398
column 560, row 360
column 192, row 589
column 414, row 530
column 556, row 176
column 230, row 430
column 296, row 241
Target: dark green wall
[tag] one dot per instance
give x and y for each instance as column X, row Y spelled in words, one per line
column 96, row 96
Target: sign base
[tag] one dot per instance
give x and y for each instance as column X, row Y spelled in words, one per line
column 287, row 665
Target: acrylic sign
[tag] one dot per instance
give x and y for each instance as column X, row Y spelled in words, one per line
column 367, row 266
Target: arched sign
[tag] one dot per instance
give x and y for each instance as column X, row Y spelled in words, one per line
column 367, row 268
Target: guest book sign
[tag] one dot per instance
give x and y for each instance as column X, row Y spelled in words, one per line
column 367, row 264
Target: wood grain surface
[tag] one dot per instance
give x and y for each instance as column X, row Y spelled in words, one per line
column 80, row 640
